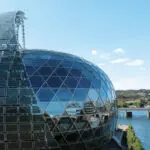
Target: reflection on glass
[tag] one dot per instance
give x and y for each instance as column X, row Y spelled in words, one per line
column 52, row 100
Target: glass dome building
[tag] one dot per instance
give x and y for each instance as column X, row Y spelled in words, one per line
column 51, row 100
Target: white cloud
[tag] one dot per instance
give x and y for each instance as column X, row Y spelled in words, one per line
column 94, row 52
column 142, row 68
column 119, row 60
column 119, row 50
column 101, row 54
column 136, row 62
column 101, row 64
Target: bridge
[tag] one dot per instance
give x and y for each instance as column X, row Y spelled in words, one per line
column 130, row 110
column 148, row 109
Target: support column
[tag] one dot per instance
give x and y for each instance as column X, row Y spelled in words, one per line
column 148, row 115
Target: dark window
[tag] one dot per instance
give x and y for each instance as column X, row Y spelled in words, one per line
column 25, row 100
column 36, row 81
column 71, row 82
column 11, row 118
column 25, row 118
column 11, row 128
column 38, row 118
column 26, row 91
column 67, row 63
column 4, row 67
column 1, row 109
column 35, row 109
column 61, row 72
column 3, row 74
column 38, row 127
column 13, row 145
column 24, row 109
column 1, row 119
column 76, row 72
column 2, row 99
column 30, row 70
column 3, row 83
column 53, row 62
column 1, row 137
column 13, row 83
column 84, row 83
column 11, row 100
column 26, row 136
column 2, row 92
column 45, row 71
column 25, row 127
column 13, row 92
column 54, row 82
column 37, row 62
column 26, row 145
column 11, row 109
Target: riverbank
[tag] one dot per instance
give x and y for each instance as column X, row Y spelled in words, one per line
column 140, row 124
column 126, row 138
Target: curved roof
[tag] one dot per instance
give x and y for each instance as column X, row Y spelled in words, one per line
column 56, row 76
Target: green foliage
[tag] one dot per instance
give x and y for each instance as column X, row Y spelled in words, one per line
column 133, row 142
column 138, row 103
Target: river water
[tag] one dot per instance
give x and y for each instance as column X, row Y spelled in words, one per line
column 141, row 126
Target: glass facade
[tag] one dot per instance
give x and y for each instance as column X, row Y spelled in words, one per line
column 53, row 101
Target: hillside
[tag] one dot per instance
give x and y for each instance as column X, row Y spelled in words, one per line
column 138, row 98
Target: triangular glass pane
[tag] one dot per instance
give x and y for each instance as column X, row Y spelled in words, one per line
column 45, row 85
column 36, row 81
column 76, row 72
column 36, row 73
column 80, row 94
column 45, row 77
column 67, row 63
column 95, row 83
column 62, row 71
column 45, row 71
column 64, row 95
column 71, row 82
column 54, row 82
column 38, row 63
column 35, row 89
column 30, row 70
column 56, row 108
column 44, row 96
column 93, row 95
column 84, row 83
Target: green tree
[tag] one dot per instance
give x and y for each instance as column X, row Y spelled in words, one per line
column 138, row 103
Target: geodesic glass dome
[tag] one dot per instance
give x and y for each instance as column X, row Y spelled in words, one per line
column 60, row 79
column 51, row 100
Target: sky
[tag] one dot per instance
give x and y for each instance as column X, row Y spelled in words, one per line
column 113, row 34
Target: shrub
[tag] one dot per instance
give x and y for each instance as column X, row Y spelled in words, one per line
column 133, row 142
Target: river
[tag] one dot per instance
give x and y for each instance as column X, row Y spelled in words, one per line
column 141, row 126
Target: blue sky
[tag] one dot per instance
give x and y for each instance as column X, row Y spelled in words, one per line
column 113, row 34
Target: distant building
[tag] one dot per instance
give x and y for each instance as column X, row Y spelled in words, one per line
column 73, row 109
column 90, row 107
